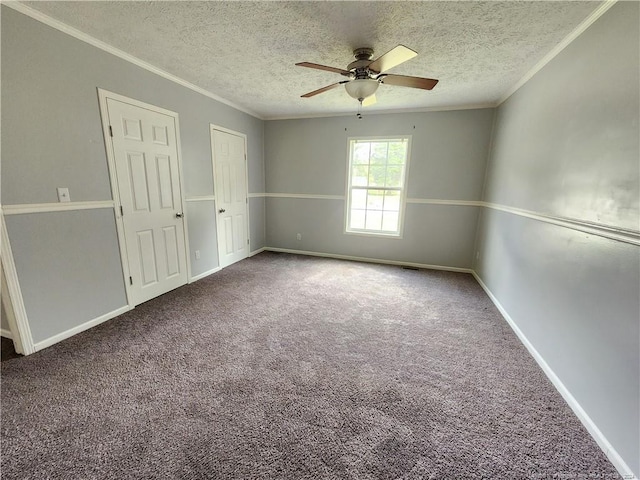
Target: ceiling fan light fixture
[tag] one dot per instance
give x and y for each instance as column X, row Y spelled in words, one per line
column 361, row 88
column 365, row 75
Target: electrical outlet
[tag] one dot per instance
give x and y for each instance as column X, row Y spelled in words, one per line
column 63, row 194
column 299, row 236
column 197, row 254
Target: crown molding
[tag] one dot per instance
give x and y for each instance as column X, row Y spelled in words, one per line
column 84, row 37
column 586, row 23
column 58, row 25
column 474, row 106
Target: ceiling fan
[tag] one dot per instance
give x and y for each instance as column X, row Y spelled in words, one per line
column 365, row 74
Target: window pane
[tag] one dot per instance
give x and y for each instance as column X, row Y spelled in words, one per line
column 394, row 176
column 378, row 153
column 360, row 175
column 375, row 199
column 361, row 153
column 377, row 175
column 390, row 221
column 357, row 219
column 392, row 201
column 397, row 153
column 374, row 220
column 358, row 198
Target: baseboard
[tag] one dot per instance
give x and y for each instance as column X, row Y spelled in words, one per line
column 589, row 424
column 256, row 252
column 368, row 260
column 5, row 333
column 80, row 328
column 204, row 274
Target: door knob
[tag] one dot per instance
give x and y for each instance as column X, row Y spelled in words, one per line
column 179, row 215
column 222, row 210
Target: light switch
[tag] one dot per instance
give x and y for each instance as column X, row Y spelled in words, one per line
column 63, row 194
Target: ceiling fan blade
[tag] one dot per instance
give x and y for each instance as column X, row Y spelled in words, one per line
column 370, row 100
column 405, row 81
column 323, row 89
column 393, row 57
column 341, row 71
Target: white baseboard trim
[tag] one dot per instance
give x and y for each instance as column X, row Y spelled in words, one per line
column 5, row 333
column 204, row 274
column 80, row 328
column 591, row 427
column 368, row 260
column 256, row 252
column 217, row 269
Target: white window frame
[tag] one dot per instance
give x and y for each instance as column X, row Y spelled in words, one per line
column 403, row 191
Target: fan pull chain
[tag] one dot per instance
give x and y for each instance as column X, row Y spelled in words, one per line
column 359, row 115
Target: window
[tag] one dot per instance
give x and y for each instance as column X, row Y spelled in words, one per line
column 376, row 185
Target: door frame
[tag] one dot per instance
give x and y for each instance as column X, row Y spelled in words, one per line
column 212, row 128
column 103, row 95
column 12, row 297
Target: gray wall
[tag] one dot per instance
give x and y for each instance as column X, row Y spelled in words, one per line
column 448, row 159
column 52, row 137
column 566, row 144
column 80, row 281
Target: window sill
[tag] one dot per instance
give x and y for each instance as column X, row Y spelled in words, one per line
column 373, row 234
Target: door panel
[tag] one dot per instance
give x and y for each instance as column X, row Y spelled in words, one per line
column 147, row 249
column 146, row 158
column 231, row 196
column 160, row 135
column 165, row 184
column 171, row 249
column 239, row 229
column 228, row 235
column 132, row 129
column 226, row 180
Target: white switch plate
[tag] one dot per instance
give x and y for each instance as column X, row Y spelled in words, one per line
column 63, row 194
column 197, row 254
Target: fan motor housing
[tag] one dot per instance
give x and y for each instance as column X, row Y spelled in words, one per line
column 363, row 59
column 365, row 74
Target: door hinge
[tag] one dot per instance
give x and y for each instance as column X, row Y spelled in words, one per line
column 247, row 241
column 130, row 280
column 121, row 211
column 110, row 131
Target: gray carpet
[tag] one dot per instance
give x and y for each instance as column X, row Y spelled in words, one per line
column 289, row 367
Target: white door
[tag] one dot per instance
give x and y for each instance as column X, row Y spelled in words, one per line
column 146, row 159
column 230, row 173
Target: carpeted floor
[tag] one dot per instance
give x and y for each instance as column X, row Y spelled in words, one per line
column 290, row 367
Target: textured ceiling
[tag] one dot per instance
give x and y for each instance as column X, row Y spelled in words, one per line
column 245, row 52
